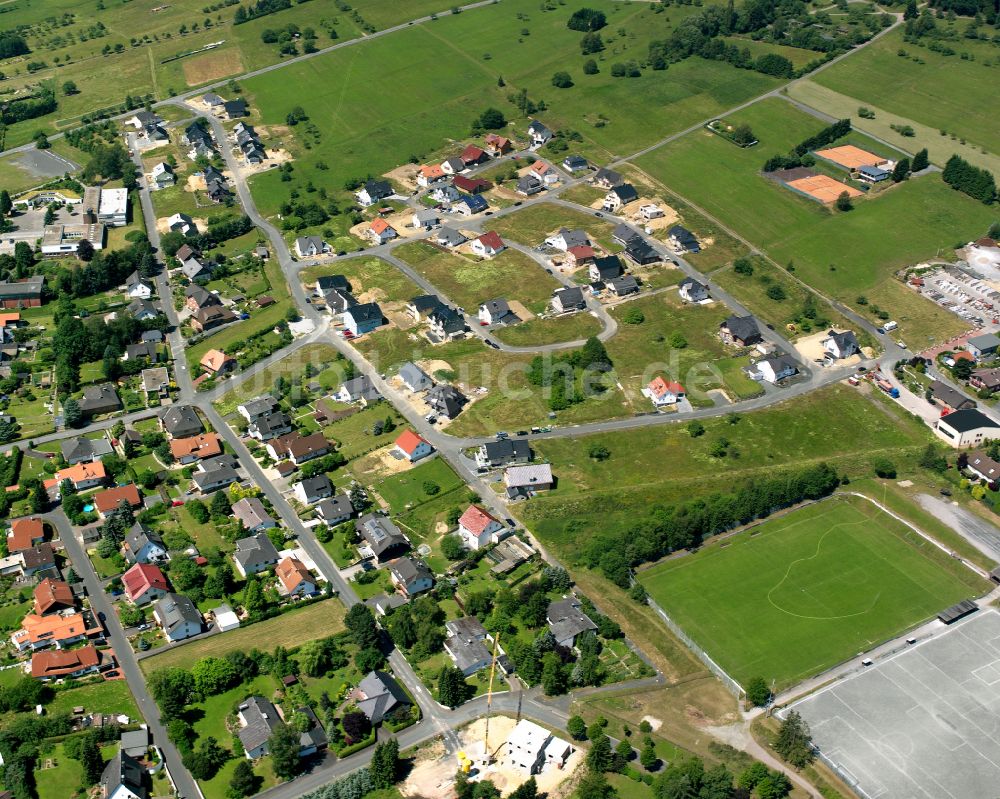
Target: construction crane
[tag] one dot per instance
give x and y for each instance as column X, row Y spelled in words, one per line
column 489, row 701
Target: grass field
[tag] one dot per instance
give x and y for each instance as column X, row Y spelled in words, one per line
column 801, row 593
column 408, row 489
column 843, row 254
column 111, row 696
column 575, row 327
column 290, row 629
column 382, row 279
column 532, row 224
column 944, row 92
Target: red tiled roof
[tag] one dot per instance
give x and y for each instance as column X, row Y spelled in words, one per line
column 107, row 501
column 475, row 519
column 140, row 578
column 492, row 240
column 49, row 593
column 471, row 154
column 81, row 472
column 582, row 252
column 61, row 661
column 409, row 441
column 24, row 533
column 463, row 183
column 205, row 445
column 380, row 225
column 659, row 387
column 291, row 572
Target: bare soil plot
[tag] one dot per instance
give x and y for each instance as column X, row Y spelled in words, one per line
column 213, row 66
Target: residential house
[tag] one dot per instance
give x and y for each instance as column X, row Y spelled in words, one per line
column 693, row 291
column 497, row 312
column 530, row 748
column 446, row 322
column 528, row 184
column 639, row 252
column 429, row 175
column 252, row 515
column 180, row 421
column 363, row 318
column 650, row 212
column 469, row 185
column 84, row 450
column 465, row 645
column 111, row 499
column 663, row 392
column 58, row 630
column 378, row 696
column 840, row 345
column 196, row 448
column 236, row 109
column 488, row 245
column 473, row 155
column 335, row 510
column 24, row 534
column 988, row 379
column 311, row 247
column 682, row 239
column 212, row 100
column 66, row 664
column 985, row 344
column 582, row 255
column 967, row 428
column 414, row 378
column 162, row 176
column 257, row 718
column 740, row 330
column 373, row 191
column 331, row 282
column 478, row 528
column 623, row 234
column 258, row 407
column 567, row 621
column 298, row 448
column 446, row 401
column 607, row 178
column 143, row 583
column 620, row 196
column 294, row 579
column 575, row 163
column 53, row 596
column 949, row 398
column 135, row 743
column 449, row 237
column 544, row 172
column 143, row 545
column 382, row 539
column 380, row 231
column 177, row 616
column 412, row 447
column 420, row 307
column 156, row 381
column 339, row 300
column 494, row 454
column 313, row 489
column 255, row 554
column 182, row 223
column 410, row 576
column 565, row 239
column 497, row 145
column 445, row 193
column 623, row 286
column 82, row 475
column 470, row 204
column 124, row 778
column 138, row 287
column 205, row 319
column 982, row 467
column 523, row 481
column 538, row 133
column 209, row 480
column 604, row 269
column 142, row 310
column 39, row 561
column 216, row 362
column 452, row 166
column 357, row 389
column 425, row 219
column 194, row 268
column 196, row 133
column 99, row 399
column 774, row 369
column 568, row 299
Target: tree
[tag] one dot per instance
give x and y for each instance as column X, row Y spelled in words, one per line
column 794, row 742
column 743, row 266
column 776, row 292
column 452, row 688
column 284, row 748
column 220, row 504
column 774, row 786
column 743, row 135
column 385, row 764
column 599, row 756
column 452, row 547
column 587, row 19
column 72, row 415
column 758, row 694
column 213, row 675
column 633, row 316
column 492, row 119
column 171, row 688
column 253, row 597
column 208, row 759
column 356, row 725
column 6, row 204
column 526, row 790
column 243, row 783
column 91, row 760
column 591, row 43
column 920, row 161
column 69, row 87
column 361, row 624
column 576, row 728
column 85, row 250
column 901, row 171
column 598, row 452
column 590, row 67
column 911, row 12
column 648, row 758
column 884, row 468
column 562, row 80
column 752, row 775
column 844, row 201
column 595, row 785
column 695, row 429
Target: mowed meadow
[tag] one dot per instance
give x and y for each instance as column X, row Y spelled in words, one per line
column 380, row 102
column 841, row 254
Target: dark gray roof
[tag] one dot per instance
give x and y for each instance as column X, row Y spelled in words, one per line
column 173, row 610
column 261, row 718
column 377, row 189
column 448, row 318
column 623, row 233
column 949, row 396
column 335, row 507
column 260, row 406
column 235, row 108
column 329, row 282
column 365, row 312
column 528, row 183
column 251, row 512
column 742, row 327
column 574, row 238
column 638, row 249
column 255, row 551
column 382, row 695
column 626, row 192
column 124, row 770
column 99, row 398
column 408, row 569
column 537, row 127
column 455, row 164
column 608, row 267
column 450, row 236
column 80, row 447
column 180, row 417
column 497, row 308
column 569, row 296
column 362, row 387
column 693, row 286
column 684, row 236
column 279, row 420
column 467, row 626
column 507, row 450
column 467, row 652
column 413, row 375
column 446, row 399
column 381, row 534
column 313, row 486
column 140, row 535
column 969, row 419
column 221, row 476
column 609, row 175
column 626, row 284
column 844, row 341
column 566, row 620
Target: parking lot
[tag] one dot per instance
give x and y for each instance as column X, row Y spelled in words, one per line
column 962, row 292
column 921, row 724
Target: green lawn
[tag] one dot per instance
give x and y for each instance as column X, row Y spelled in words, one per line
column 533, row 224
column 407, row 489
column 575, row 327
column 843, row 254
column 368, row 276
column 11, row 615
column 806, row 591
column 111, row 696
column 354, row 434
column 469, row 282
column 65, row 777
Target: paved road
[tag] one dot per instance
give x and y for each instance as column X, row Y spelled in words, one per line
column 127, row 661
column 983, row 535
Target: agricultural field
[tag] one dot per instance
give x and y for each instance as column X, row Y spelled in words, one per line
column 835, row 424
column 468, row 282
column 949, row 93
column 834, row 252
column 803, row 592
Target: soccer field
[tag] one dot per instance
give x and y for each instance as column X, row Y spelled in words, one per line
column 797, row 595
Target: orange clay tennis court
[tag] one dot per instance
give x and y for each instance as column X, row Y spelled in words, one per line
column 823, row 188
column 850, row 157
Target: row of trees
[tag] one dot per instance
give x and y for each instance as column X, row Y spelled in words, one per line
column 968, row 179
column 29, row 108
